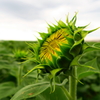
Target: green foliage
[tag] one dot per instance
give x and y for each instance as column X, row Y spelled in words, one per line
column 13, row 86
column 12, row 69
column 57, row 95
column 30, row 91
column 89, row 90
column 7, row 89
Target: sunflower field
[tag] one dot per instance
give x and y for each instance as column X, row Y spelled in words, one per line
column 17, row 58
column 60, row 65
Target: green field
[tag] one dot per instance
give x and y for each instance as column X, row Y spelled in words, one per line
column 14, row 54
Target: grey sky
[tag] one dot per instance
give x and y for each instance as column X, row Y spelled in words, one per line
column 22, row 19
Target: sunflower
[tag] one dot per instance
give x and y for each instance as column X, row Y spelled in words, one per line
column 52, row 44
column 57, row 48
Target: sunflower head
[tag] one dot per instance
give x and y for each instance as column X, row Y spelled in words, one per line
column 20, row 55
column 60, row 45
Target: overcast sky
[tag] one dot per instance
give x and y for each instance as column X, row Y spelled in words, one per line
column 23, row 19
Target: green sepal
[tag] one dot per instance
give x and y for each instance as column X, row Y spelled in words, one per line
column 67, row 20
column 57, row 27
column 51, row 29
column 77, row 37
column 84, row 46
column 83, row 27
column 70, row 40
column 54, row 58
column 61, row 24
column 79, row 33
column 93, row 30
column 77, row 47
column 65, row 50
column 47, row 69
column 50, row 63
column 63, row 62
column 48, row 66
column 34, row 46
column 40, row 41
column 43, row 35
column 69, row 27
column 72, row 22
column 75, row 61
column 68, row 31
column 58, row 52
column 35, row 50
column 76, row 50
column 84, row 33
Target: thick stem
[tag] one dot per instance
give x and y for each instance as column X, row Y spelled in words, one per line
column 73, row 84
column 19, row 75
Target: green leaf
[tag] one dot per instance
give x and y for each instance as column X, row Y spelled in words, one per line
column 58, row 94
column 85, row 74
column 95, row 87
column 75, row 62
column 7, row 89
column 31, row 91
column 97, row 44
column 52, row 78
column 91, row 48
column 94, row 64
column 86, row 71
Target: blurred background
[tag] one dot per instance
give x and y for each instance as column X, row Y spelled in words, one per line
column 23, row 19
column 20, row 22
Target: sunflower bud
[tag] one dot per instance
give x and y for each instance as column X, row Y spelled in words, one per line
column 60, row 45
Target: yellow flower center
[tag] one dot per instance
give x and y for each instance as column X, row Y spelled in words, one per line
column 52, row 43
